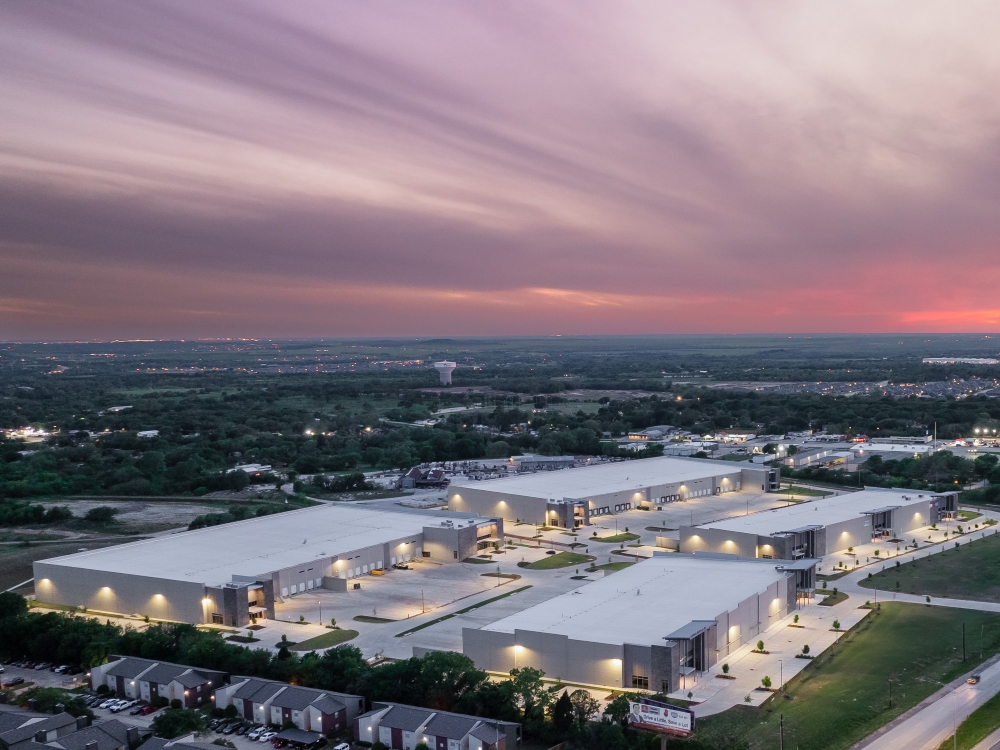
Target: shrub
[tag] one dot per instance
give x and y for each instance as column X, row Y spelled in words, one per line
column 805, row 649
column 725, row 669
column 765, row 681
column 103, row 689
column 100, row 514
column 760, row 645
column 230, row 712
column 176, row 703
column 795, row 619
column 836, row 624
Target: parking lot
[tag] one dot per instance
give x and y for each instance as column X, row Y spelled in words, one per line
column 42, row 677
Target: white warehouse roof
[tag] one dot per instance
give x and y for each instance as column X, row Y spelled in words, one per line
column 604, row 479
column 648, row 601
column 820, row 512
column 256, row 546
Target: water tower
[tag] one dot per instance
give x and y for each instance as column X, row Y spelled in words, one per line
column 444, row 370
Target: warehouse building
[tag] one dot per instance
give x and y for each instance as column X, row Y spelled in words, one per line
column 569, row 498
column 232, row 574
column 821, row 527
column 654, row 626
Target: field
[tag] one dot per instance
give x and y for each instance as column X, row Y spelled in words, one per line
column 970, row 572
column 842, row 696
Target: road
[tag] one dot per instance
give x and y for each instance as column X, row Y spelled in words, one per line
column 936, row 719
column 927, row 725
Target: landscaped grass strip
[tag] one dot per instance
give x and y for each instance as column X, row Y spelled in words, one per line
column 462, row 611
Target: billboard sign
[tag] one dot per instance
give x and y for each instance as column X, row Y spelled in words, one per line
column 661, row 717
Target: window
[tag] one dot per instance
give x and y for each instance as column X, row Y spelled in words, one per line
column 216, row 618
column 665, row 687
column 640, row 683
column 284, row 591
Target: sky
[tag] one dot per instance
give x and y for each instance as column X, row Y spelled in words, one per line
column 262, row 169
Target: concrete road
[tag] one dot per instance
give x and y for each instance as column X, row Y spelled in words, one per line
column 936, row 720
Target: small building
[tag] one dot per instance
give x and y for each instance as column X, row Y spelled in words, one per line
column 652, row 626
column 821, row 527
column 104, row 735
column 570, row 498
column 19, row 728
column 400, row 727
column 145, row 679
column 310, row 710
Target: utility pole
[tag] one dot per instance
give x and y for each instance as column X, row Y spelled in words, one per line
column 422, row 607
column 781, row 732
column 498, row 576
column 890, row 692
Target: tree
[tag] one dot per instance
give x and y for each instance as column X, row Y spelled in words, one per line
column 531, row 693
column 619, row 709
column 805, row 649
column 562, row 712
column 12, row 605
column 230, row 711
column 176, row 722
column 760, row 645
column 422, row 746
column 836, row 624
column 585, row 706
column 765, row 681
column 725, row 669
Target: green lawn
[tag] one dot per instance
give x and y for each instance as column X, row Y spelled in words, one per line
column 803, row 491
column 970, row 572
column 615, row 566
column 558, row 560
column 330, row 638
column 615, row 538
column 834, row 597
column 978, row 726
column 841, row 696
column 968, row 515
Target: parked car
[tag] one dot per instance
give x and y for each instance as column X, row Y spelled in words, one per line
column 401, row 566
column 108, row 703
column 277, row 742
column 550, row 552
column 15, row 681
column 136, row 711
column 43, row 665
column 342, row 746
column 255, row 733
column 267, row 736
column 74, row 670
column 147, row 710
column 316, row 745
column 244, row 728
column 120, row 706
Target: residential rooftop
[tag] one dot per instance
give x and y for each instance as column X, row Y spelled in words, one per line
column 820, row 512
column 640, row 604
column 603, row 479
column 256, row 546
